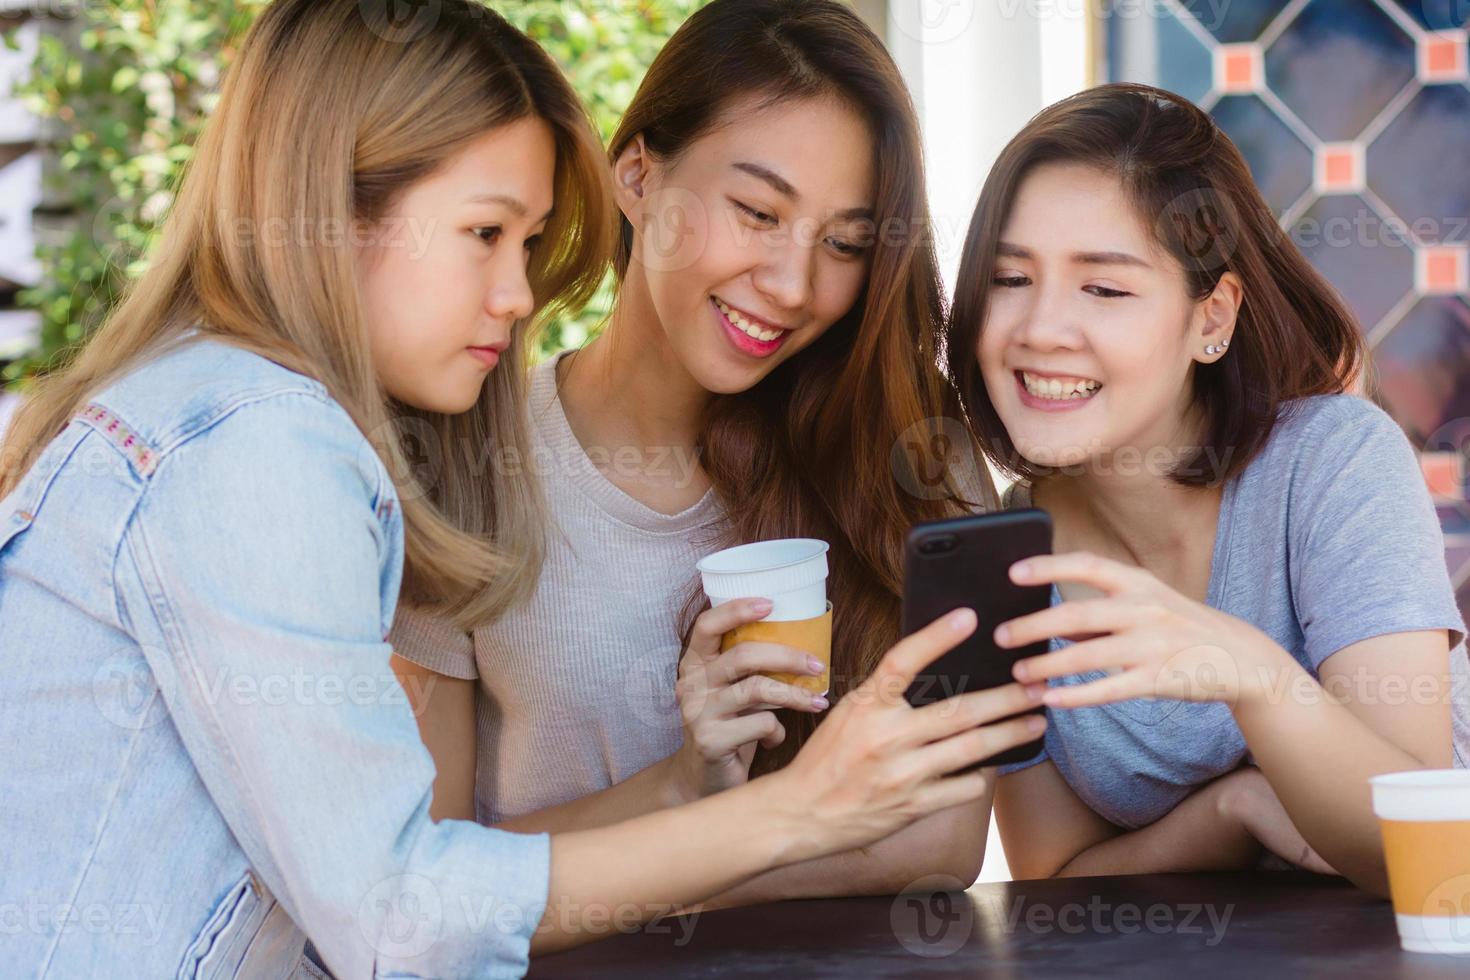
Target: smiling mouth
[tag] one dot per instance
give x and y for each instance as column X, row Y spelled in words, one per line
column 1058, row 389
column 751, row 337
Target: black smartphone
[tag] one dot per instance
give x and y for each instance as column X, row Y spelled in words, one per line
column 964, row 562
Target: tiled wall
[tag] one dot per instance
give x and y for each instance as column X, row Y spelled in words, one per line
column 1355, row 118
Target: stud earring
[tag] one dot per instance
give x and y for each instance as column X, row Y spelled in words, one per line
column 1217, row 348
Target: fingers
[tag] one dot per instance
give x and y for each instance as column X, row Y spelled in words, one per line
column 964, row 711
column 976, row 745
column 713, row 624
column 901, row 664
column 1076, row 618
column 1078, row 566
column 1105, row 690
column 758, row 691
column 745, row 659
column 716, row 741
column 953, row 791
column 1103, row 653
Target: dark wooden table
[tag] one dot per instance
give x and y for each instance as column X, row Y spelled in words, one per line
column 1183, row 927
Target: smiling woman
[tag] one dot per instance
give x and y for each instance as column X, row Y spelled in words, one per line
column 770, row 369
column 1248, row 559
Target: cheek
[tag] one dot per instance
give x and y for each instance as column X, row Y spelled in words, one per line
column 679, row 233
column 837, row 291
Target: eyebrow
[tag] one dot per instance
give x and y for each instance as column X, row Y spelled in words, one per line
column 783, row 187
column 1010, row 250
column 513, row 203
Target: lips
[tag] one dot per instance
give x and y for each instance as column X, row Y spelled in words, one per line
column 748, row 334
column 1055, row 393
column 488, row 356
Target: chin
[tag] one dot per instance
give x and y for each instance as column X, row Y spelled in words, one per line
column 1055, row 457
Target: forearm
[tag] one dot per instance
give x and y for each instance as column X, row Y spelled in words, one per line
column 1318, row 756
column 1195, row 836
column 950, row 843
column 644, row 792
column 607, row 879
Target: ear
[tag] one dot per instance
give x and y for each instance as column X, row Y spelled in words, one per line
column 630, row 173
column 1215, row 317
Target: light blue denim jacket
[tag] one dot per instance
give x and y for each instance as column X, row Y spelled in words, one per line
column 204, row 755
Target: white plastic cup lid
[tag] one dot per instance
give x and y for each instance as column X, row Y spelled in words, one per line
column 791, row 572
column 1425, row 794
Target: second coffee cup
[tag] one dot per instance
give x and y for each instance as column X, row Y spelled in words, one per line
column 792, row 574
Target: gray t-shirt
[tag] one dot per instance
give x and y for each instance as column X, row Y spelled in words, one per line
column 577, row 684
column 1327, row 538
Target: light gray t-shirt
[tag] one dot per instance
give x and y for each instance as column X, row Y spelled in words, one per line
column 1327, row 538
column 577, row 684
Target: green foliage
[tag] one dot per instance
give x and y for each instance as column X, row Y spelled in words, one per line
column 126, row 93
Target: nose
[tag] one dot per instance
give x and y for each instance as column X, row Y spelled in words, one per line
column 785, row 278
column 509, row 296
column 1049, row 321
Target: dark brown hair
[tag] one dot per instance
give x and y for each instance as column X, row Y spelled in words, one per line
column 810, row 450
column 1294, row 337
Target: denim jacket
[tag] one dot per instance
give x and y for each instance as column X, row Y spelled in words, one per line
column 204, row 755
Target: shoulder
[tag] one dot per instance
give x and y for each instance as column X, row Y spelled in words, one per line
column 1326, row 434
column 193, row 383
column 233, row 416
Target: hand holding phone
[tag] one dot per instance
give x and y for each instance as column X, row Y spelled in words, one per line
column 965, row 562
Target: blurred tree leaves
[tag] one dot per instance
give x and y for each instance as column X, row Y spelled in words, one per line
column 124, row 86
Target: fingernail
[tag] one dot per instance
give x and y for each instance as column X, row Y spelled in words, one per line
column 762, row 606
column 1035, row 692
column 819, row 702
column 1021, row 571
column 1020, row 673
column 814, row 665
column 1051, row 698
column 1002, row 635
column 1036, row 725
column 962, row 620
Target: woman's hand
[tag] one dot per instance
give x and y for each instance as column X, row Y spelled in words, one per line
column 877, row 764
column 1155, row 642
column 727, row 705
column 1246, row 797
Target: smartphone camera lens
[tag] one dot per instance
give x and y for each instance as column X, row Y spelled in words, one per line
column 939, row 544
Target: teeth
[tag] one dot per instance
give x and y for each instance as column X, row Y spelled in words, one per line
column 745, row 326
column 1058, row 389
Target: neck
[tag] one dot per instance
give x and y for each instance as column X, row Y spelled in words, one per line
column 628, row 387
column 1130, row 501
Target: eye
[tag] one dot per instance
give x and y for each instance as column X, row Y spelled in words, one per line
column 1103, row 292
column 533, row 243
column 1011, row 282
column 849, row 250
column 757, row 216
column 489, row 234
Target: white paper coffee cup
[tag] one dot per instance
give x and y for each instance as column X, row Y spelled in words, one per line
column 791, row 572
column 1425, row 820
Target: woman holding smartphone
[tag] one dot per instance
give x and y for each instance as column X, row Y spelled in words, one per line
column 1252, row 614
column 206, row 520
column 771, row 360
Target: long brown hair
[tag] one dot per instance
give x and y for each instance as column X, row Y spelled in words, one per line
column 331, row 111
column 1294, row 337
column 842, row 442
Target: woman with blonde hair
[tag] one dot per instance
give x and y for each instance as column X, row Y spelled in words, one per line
column 207, row 517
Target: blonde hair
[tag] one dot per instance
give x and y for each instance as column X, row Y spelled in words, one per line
column 329, row 114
